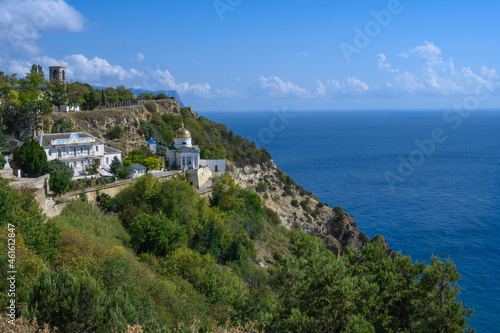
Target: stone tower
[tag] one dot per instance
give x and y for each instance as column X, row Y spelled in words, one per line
column 57, row 73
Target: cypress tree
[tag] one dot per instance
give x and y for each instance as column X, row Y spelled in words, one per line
column 30, row 158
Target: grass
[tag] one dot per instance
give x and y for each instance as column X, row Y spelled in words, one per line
column 83, row 217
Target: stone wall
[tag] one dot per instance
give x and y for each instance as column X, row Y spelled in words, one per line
column 200, row 176
column 38, row 183
column 91, row 193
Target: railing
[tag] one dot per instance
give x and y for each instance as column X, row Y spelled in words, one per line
column 79, row 155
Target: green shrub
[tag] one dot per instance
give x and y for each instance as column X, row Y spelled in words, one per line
column 60, row 182
column 62, row 125
column 116, row 133
column 91, row 169
column 156, row 234
column 339, row 211
column 186, row 113
column 364, row 238
column 261, row 187
column 2, row 161
column 273, row 216
column 287, row 191
column 294, row 203
column 57, row 165
column 151, row 107
column 74, row 303
column 305, row 206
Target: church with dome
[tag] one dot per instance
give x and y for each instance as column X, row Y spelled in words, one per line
column 183, row 154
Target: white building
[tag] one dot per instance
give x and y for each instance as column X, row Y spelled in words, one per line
column 78, row 150
column 135, row 170
column 214, row 165
column 183, row 154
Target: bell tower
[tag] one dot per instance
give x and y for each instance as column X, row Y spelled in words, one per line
column 57, row 73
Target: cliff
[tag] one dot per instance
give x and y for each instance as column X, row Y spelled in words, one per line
column 300, row 210
column 296, row 208
column 100, row 121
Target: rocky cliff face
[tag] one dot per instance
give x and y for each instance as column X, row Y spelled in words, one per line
column 100, row 122
column 301, row 210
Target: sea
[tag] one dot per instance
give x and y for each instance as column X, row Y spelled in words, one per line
column 428, row 181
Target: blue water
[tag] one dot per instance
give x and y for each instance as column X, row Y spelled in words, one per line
column 448, row 205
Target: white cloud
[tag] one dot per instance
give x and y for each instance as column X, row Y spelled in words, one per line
column 383, row 64
column 320, row 89
column 276, row 87
column 428, row 51
column 96, row 69
column 100, row 72
column 164, row 77
column 356, row 85
column 335, row 84
column 407, row 82
column 228, row 94
column 22, row 20
column 139, row 57
column 436, row 76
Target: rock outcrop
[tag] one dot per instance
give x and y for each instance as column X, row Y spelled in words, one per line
column 300, row 210
column 100, row 121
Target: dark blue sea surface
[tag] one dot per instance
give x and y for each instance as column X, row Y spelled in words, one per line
column 439, row 196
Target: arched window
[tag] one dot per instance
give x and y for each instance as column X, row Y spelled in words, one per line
column 64, row 75
column 54, row 74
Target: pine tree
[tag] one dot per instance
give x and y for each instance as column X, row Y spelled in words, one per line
column 30, row 158
column 103, row 98
column 115, row 165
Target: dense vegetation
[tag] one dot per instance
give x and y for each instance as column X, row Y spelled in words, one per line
column 214, row 140
column 164, row 257
column 160, row 256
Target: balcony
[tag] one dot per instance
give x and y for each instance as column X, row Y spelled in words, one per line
column 78, row 155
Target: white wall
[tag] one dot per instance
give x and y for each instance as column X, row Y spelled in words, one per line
column 221, row 165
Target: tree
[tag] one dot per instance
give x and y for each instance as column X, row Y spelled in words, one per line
column 58, row 93
column 156, row 234
column 37, row 69
column 124, row 94
column 161, row 96
column 34, row 101
column 30, row 157
column 73, row 303
column 57, row 165
column 91, row 99
column 3, row 142
column 77, row 92
column 103, row 98
column 151, row 163
column 60, row 182
column 146, row 96
column 60, row 176
column 115, row 165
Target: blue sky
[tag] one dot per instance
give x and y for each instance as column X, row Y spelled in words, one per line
column 262, row 55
